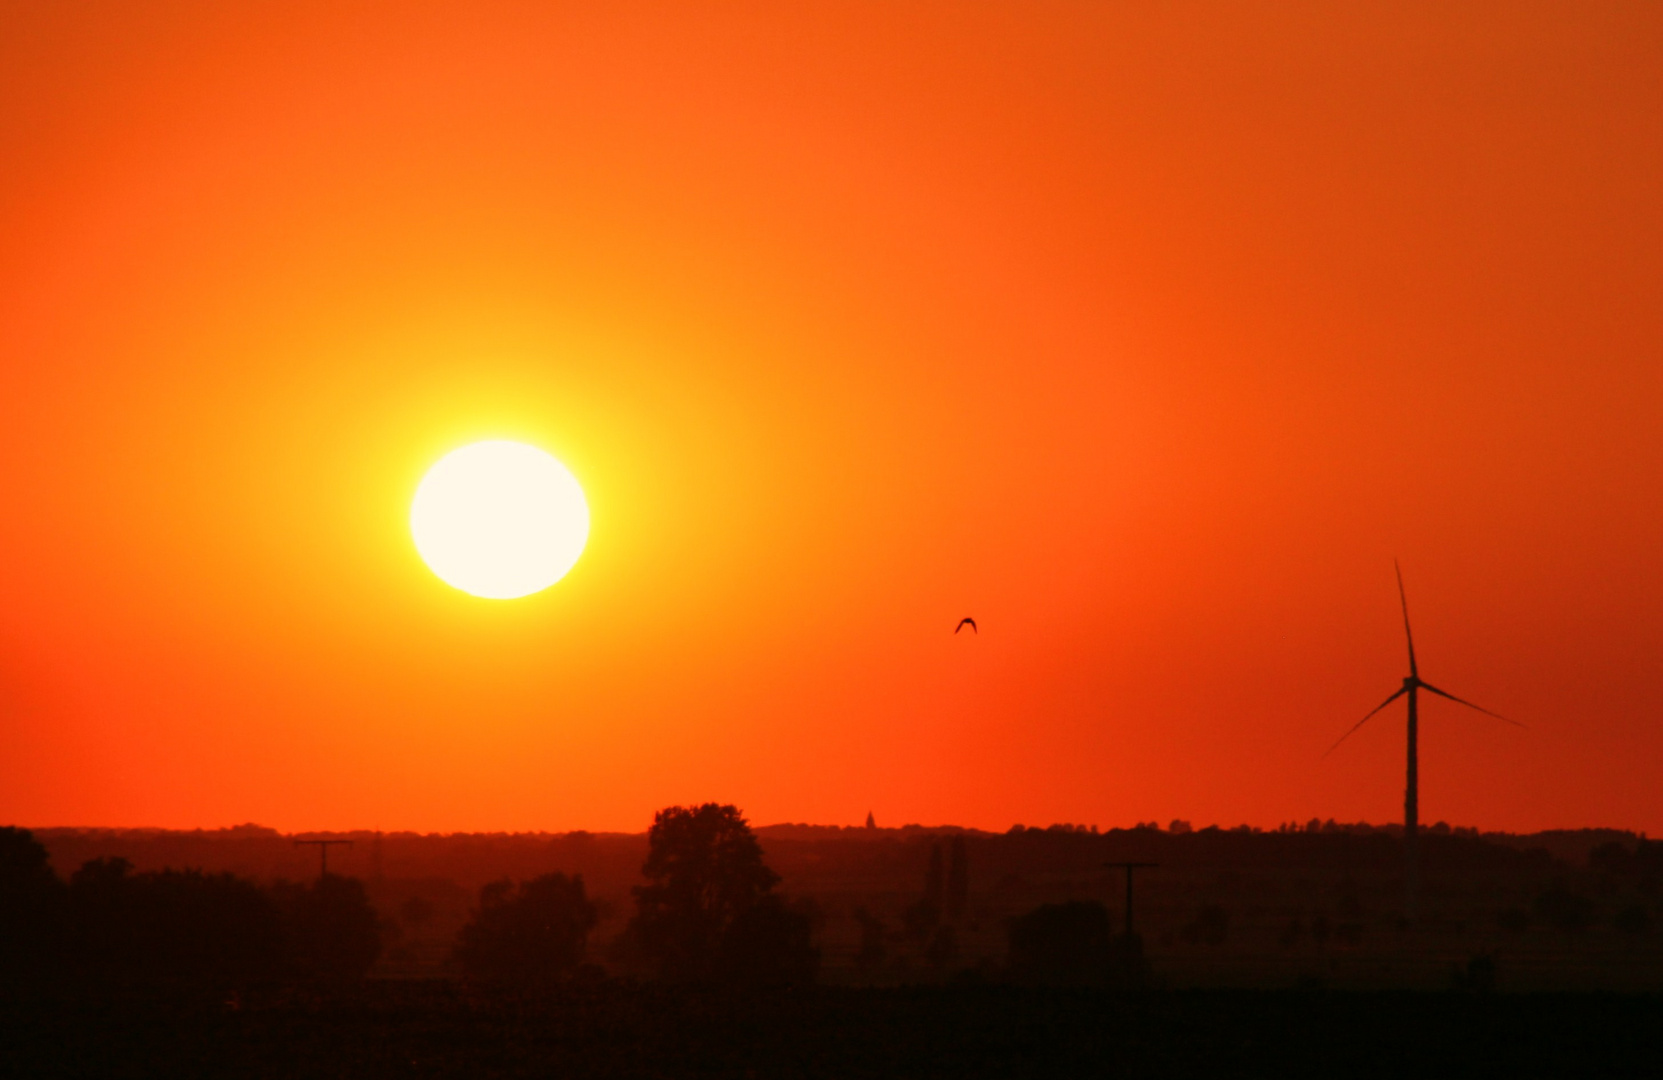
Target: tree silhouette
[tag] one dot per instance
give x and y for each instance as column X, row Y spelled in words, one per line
column 922, row 916
column 704, row 868
column 531, row 934
column 101, row 911
column 957, row 900
column 872, row 950
column 176, row 926
column 1062, row 945
column 769, row 944
column 935, row 879
column 25, row 869
column 31, row 906
column 332, row 932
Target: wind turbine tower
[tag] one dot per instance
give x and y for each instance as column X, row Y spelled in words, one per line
column 1413, row 684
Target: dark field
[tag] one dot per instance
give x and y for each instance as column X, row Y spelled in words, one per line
column 908, row 953
column 615, row 1029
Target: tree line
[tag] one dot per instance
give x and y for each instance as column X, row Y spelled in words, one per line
column 110, row 925
column 707, row 912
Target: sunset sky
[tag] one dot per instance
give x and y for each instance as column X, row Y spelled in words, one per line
column 1146, row 334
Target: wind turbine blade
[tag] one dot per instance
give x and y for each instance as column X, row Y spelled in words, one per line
column 1468, row 704
column 1404, row 597
column 1365, row 720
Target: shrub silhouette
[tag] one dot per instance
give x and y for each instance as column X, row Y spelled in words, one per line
column 531, row 934
column 31, row 907
column 1061, row 945
column 332, row 932
column 704, row 868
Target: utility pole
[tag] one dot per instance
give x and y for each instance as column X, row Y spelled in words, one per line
column 323, row 853
column 1129, row 867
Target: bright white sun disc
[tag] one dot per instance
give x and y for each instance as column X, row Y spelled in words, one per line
column 499, row 519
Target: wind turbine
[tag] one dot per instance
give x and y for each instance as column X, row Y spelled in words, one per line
column 1413, row 684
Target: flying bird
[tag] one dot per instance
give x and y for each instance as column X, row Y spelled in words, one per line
column 966, row 622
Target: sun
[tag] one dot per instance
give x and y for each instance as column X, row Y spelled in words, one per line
column 499, row 519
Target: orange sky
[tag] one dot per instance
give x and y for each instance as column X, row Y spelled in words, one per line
column 1146, row 334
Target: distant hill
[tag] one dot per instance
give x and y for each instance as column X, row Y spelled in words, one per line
column 611, row 861
column 1223, row 906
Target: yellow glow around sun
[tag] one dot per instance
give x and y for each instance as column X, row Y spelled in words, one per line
column 499, row 519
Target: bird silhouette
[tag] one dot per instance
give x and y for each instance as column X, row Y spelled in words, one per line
column 966, row 622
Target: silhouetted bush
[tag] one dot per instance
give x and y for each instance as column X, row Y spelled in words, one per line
column 704, row 868
column 31, row 907
column 1061, row 945
column 331, row 931
column 171, row 926
column 769, row 944
column 530, row 934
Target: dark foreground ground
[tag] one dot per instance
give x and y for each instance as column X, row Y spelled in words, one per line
column 433, row 1029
